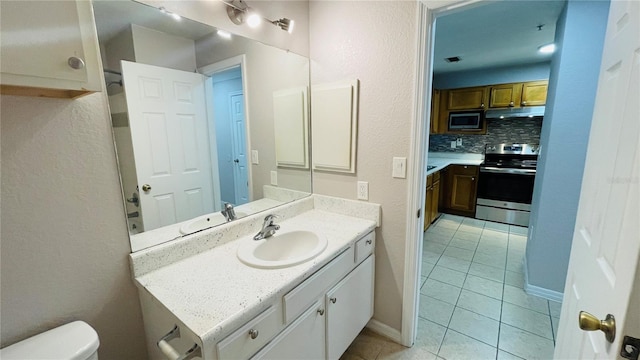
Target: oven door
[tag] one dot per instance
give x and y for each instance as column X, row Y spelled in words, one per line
column 506, row 185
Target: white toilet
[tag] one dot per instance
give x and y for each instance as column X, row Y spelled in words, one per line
column 73, row 341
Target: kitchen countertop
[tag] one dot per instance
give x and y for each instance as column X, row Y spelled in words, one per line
column 214, row 293
column 442, row 160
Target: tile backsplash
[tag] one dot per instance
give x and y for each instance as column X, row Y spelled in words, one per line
column 512, row 130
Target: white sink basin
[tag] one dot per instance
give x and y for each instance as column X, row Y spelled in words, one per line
column 205, row 222
column 282, row 249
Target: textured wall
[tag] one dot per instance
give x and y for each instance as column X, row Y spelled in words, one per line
column 64, row 236
column 516, row 131
column 501, row 75
column 565, row 133
column 373, row 41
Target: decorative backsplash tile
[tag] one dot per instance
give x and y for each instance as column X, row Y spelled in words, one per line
column 513, row 130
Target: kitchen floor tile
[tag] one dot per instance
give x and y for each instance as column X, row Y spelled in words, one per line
column 428, row 256
column 554, row 308
column 492, row 249
column 475, row 237
column 495, row 260
column 441, row 291
column 435, row 310
column 515, row 264
column 447, row 224
column 429, row 335
column 475, row 325
column 470, row 229
column 458, row 253
column 524, row 344
column 454, row 263
column 438, row 238
column 463, row 244
column 433, row 247
column 473, row 222
column 517, row 296
column 503, row 355
column 448, row 276
column 427, row 267
column 554, row 323
column 514, row 279
column 518, row 230
column 525, row 319
column 517, row 242
column 483, row 286
column 496, row 227
column 480, row 304
column 487, row 272
column 458, row 346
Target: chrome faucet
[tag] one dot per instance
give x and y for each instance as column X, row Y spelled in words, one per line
column 268, row 228
column 228, row 212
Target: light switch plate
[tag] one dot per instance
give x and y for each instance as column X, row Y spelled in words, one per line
column 399, row 167
column 254, row 157
column 363, row 190
column 453, row 144
column 274, row 178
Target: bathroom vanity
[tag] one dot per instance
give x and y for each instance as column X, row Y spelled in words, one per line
column 226, row 309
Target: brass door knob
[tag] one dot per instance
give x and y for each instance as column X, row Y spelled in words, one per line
column 589, row 322
column 146, row 187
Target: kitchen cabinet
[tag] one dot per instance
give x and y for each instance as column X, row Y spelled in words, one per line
column 533, row 93
column 467, row 98
column 460, row 189
column 434, row 126
column 432, row 199
column 49, row 49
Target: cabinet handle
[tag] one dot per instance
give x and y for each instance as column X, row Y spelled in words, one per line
column 75, row 63
column 524, row 103
column 473, row 179
column 253, row 333
column 511, row 104
column 369, row 242
column 333, row 300
column 321, row 312
column 465, row 166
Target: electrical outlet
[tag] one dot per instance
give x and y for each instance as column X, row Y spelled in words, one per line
column 274, row 178
column 459, row 141
column 254, row 157
column 399, row 167
column 453, row 144
column 363, row 190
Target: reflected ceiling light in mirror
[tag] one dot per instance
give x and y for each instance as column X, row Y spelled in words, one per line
column 223, row 34
column 547, row 49
column 175, row 16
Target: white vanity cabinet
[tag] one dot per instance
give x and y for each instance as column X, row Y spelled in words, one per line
column 49, row 49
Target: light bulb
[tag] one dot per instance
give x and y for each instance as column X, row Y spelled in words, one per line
column 547, row 49
column 253, row 19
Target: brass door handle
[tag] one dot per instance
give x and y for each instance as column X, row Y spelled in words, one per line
column 589, row 322
column 146, row 187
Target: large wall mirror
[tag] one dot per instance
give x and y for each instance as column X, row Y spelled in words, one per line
column 201, row 119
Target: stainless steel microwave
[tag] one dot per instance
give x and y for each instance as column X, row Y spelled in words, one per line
column 466, row 120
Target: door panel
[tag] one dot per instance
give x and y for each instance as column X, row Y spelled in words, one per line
column 241, row 176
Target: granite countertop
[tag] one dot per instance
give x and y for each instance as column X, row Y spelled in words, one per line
column 214, row 293
column 442, row 160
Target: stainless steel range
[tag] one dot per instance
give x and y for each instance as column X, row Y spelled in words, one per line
column 505, row 183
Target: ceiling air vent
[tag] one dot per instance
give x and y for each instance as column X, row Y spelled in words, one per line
column 452, row 59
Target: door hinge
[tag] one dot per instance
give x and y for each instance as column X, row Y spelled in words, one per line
column 419, row 212
column 630, row 348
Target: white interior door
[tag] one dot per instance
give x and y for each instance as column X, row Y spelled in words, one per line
column 606, row 242
column 168, row 120
column 241, row 178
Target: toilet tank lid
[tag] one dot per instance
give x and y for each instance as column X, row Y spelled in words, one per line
column 72, row 341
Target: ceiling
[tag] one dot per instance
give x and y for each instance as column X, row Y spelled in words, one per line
column 495, row 34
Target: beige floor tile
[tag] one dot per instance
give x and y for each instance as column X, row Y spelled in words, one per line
column 503, row 355
column 448, row 276
column 367, row 346
column 458, row 346
column 442, row 231
column 525, row 319
column 495, row 260
column 475, row 325
column 483, row 286
column 473, row 222
column 517, row 296
column 462, row 235
column 524, row 344
column 495, row 239
column 514, row 279
column 429, row 335
column 431, row 257
column 554, row 308
column 496, row 227
column 427, row 267
column 518, row 230
column 447, row 224
column 458, row 253
column 470, row 229
column 454, row 263
column 480, row 304
column 438, row 238
column 515, row 264
column 435, row 310
column 435, row 248
column 441, row 291
column 463, row 244
column 487, row 272
column 517, row 242
column 496, row 250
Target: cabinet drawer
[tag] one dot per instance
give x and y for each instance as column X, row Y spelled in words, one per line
column 303, row 295
column 365, row 246
column 241, row 345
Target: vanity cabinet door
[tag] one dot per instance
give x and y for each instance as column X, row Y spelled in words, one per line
column 303, row 339
column 49, row 48
column 349, row 307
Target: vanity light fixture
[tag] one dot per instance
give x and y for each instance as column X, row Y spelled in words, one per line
column 547, row 49
column 239, row 13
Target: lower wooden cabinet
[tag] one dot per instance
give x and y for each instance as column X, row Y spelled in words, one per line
column 460, row 189
column 432, row 199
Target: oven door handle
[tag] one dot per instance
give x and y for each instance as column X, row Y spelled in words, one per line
column 495, row 170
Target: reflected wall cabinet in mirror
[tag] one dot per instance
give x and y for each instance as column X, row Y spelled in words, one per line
column 196, row 121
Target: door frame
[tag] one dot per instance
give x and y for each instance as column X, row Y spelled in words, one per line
column 428, row 11
column 209, row 71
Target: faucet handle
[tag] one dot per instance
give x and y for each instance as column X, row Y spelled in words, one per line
column 269, row 218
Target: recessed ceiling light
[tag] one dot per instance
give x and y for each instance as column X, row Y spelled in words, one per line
column 547, row 49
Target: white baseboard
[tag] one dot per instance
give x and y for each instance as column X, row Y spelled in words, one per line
column 540, row 291
column 384, row 330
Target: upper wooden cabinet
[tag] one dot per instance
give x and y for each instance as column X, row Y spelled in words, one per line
column 534, row 93
column 467, row 98
column 49, row 48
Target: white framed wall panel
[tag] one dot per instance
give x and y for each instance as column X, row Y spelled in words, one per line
column 291, row 122
column 334, row 110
